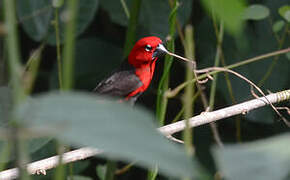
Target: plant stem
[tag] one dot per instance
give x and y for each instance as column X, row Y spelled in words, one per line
column 69, row 45
column 189, row 89
column 15, row 69
column 131, row 30
column 111, row 168
column 161, row 103
column 58, row 50
column 274, row 62
column 125, row 7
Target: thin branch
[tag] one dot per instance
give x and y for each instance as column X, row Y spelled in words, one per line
column 204, row 118
column 242, row 108
column 39, row 167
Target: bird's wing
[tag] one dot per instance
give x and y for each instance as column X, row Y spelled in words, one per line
column 120, row 83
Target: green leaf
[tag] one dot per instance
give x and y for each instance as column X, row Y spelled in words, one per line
column 256, row 12
column 261, row 160
column 77, row 177
column 227, row 11
column 123, row 132
column 278, row 26
column 284, row 11
column 36, row 17
column 101, row 171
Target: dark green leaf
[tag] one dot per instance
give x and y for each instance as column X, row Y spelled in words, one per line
column 153, row 14
column 123, row 132
column 278, row 26
column 5, row 105
column 36, row 16
column 95, row 59
column 284, row 11
column 261, row 160
column 256, row 12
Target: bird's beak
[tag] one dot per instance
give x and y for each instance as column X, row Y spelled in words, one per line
column 159, row 51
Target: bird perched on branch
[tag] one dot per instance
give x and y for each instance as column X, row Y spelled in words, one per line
column 134, row 75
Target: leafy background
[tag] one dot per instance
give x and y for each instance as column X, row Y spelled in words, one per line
column 100, row 38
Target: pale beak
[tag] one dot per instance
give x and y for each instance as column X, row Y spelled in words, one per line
column 159, row 51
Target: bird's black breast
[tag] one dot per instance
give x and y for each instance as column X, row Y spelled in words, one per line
column 120, row 83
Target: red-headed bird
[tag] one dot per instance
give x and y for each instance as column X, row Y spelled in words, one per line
column 134, row 75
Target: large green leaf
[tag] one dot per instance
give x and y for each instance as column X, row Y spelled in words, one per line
column 261, row 160
column 123, row 132
column 36, row 18
column 153, row 14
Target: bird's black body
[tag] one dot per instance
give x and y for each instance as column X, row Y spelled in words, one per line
column 120, row 83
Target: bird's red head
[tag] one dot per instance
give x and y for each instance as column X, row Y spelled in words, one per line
column 145, row 51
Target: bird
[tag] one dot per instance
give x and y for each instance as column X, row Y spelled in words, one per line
column 135, row 73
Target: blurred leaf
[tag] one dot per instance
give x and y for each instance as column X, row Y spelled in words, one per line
column 57, row 3
column 153, row 15
column 228, row 11
column 284, row 11
column 256, row 12
column 94, row 59
column 288, row 55
column 261, row 160
column 101, row 171
column 77, row 177
column 118, row 129
column 278, row 26
column 36, row 17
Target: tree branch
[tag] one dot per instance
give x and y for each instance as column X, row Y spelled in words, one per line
column 204, row 118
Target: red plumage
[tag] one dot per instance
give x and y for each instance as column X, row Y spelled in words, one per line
column 135, row 74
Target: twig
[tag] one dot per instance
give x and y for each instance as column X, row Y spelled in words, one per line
column 204, row 118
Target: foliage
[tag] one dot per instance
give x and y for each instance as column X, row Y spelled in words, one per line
column 223, row 32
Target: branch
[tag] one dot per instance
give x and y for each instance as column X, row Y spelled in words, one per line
column 40, row 167
column 204, row 118
column 242, row 108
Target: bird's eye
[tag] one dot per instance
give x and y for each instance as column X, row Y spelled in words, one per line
column 148, row 48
